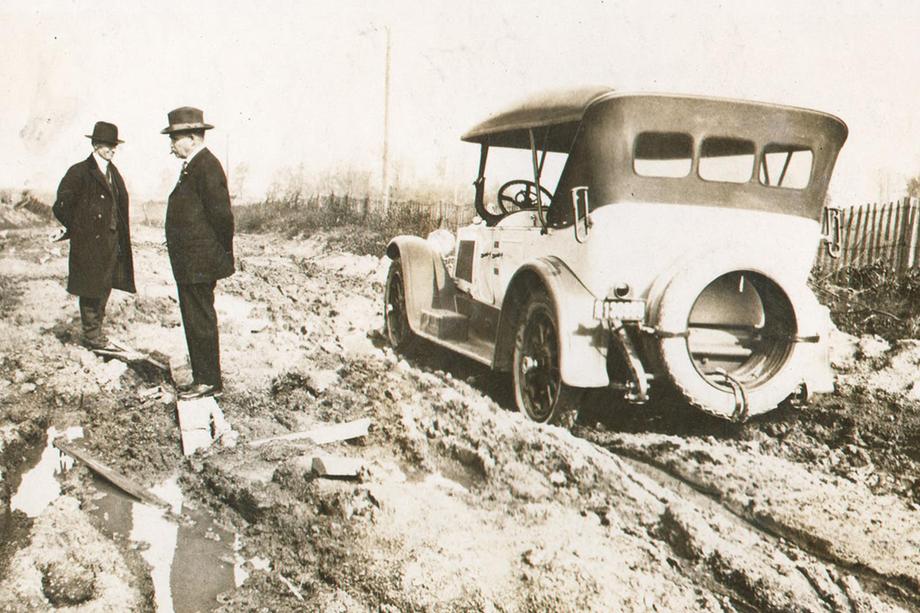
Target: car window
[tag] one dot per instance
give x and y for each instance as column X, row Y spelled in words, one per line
column 786, row 166
column 729, row 160
column 663, row 154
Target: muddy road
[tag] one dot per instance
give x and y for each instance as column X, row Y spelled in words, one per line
column 461, row 504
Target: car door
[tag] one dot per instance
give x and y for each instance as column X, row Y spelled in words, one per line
column 474, row 262
column 514, row 240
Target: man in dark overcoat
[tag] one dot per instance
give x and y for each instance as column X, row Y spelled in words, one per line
column 92, row 204
column 199, row 238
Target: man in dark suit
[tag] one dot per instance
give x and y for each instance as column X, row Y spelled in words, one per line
column 199, row 238
column 92, row 204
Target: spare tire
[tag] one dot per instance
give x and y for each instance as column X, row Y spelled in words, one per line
column 730, row 335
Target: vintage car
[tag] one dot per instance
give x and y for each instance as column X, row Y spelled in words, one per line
column 636, row 242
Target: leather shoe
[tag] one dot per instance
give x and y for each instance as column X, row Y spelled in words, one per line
column 200, row 390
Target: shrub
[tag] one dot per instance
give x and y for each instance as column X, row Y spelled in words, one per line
column 35, row 206
column 366, row 228
column 872, row 299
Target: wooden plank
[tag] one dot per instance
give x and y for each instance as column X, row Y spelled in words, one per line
column 322, row 434
column 879, row 250
column 130, row 356
column 873, row 234
column 858, row 236
column 914, row 233
column 886, row 243
column 115, row 478
column 880, row 243
column 847, row 253
column 893, row 250
column 902, row 236
column 896, row 234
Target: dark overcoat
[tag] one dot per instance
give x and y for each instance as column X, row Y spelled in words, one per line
column 85, row 206
column 199, row 223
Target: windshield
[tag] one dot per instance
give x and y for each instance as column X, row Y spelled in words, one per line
column 512, row 169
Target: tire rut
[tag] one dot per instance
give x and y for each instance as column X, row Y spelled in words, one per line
column 900, row 593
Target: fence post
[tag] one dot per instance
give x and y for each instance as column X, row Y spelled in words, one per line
column 902, row 236
column 859, row 242
column 914, row 233
column 846, row 254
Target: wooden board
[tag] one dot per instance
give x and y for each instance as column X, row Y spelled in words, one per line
column 115, row 478
column 323, row 434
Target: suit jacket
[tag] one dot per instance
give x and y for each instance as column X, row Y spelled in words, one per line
column 199, row 223
column 85, row 206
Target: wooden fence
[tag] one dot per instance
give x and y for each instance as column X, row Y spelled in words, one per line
column 436, row 213
column 885, row 234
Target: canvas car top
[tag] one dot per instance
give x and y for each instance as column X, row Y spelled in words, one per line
column 550, row 108
column 606, row 131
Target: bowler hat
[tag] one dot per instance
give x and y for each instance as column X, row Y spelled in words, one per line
column 105, row 132
column 185, row 118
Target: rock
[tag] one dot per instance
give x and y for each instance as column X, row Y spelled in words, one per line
column 27, row 388
column 321, row 380
column 913, row 391
column 557, row 478
column 873, row 346
column 336, row 466
column 111, row 371
column 842, row 349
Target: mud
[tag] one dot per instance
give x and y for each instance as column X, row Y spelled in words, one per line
column 462, row 503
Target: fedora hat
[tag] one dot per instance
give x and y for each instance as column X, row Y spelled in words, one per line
column 105, row 132
column 185, row 118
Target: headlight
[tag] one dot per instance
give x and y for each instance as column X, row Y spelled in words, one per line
column 621, row 310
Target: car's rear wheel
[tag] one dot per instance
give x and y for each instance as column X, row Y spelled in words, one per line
column 538, row 388
column 396, row 318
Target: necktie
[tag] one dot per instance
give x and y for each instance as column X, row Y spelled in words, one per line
column 113, row 224
column 110, row 178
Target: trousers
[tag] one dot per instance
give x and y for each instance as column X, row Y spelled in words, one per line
column 199, row 319
column 92, row 315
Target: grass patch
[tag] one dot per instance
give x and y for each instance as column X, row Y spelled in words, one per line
column 872, row 300
column 366, row 229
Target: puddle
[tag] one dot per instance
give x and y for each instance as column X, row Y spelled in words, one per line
column 191, row 561
column 39, row 486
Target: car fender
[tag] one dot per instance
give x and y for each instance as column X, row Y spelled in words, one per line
column 583, row 340
column 425, row 277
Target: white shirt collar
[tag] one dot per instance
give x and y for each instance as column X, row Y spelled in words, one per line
column 101, row 162
column 194, row 152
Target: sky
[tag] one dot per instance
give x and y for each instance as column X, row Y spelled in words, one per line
column 301, row 84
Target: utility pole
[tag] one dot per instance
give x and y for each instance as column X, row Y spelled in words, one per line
column 386, row 128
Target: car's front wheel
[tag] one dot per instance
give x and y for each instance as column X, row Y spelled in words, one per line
column 395, row 315
column 538, row 388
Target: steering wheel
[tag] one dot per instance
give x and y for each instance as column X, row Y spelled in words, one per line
column 524, row 198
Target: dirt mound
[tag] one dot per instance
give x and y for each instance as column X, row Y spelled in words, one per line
column 27, row 211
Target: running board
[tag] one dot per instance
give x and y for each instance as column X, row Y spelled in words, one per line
column 444, row 324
